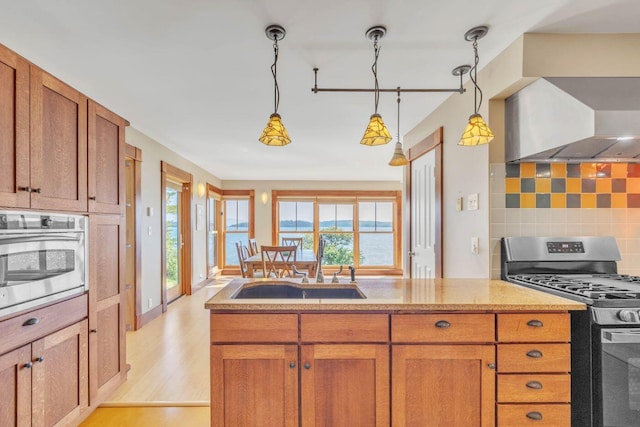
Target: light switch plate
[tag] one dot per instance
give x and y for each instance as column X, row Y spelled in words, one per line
column 475, row 245
column 459, row 203
column 472, row 202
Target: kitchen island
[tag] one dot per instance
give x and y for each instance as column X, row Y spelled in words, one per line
column 455, row 352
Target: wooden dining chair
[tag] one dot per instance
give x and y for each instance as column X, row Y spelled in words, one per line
column 253, row 247
column 277, row 261
column 293, row 241
column 241, row 258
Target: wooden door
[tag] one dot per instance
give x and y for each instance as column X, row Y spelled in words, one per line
column 345, row 385
column 14, row 130
column 174, row 241
column 58, row 124
column 443, row 385
column 106, row 160
column 106, row 300
column 60, row 376
column 15, row 383
column 254, row 385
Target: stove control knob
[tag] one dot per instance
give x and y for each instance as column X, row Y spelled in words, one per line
column 628, row 316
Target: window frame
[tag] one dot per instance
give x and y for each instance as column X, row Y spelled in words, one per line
column 349, row 197
column 249, row 195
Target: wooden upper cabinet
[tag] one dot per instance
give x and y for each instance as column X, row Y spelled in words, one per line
column 14, row 130
column 106, row 160
column 58, row 123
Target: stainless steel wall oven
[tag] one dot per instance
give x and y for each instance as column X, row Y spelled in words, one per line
column 43, row 257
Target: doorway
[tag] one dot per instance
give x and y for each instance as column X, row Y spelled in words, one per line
column 424, row 187
column 133, row 271
column 214, row 209
column 176, row 233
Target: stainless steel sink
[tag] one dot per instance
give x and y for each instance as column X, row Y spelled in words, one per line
column 289, row 290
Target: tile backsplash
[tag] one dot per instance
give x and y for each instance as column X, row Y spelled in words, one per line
column 588, row 212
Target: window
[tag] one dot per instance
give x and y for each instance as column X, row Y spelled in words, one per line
column 236, row 214
column 361, row 223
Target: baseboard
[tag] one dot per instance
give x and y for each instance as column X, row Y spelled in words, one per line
column 114, row 404
column 147, row 317
column 195, row 288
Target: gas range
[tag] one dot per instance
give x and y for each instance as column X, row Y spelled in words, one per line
column 605, row 338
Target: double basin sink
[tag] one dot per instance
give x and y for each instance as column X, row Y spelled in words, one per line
column 289, row 290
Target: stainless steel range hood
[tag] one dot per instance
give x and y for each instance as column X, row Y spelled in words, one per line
column 574, row 119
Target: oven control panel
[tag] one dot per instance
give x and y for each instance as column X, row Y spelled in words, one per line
column 565, row 247
column 615, row 316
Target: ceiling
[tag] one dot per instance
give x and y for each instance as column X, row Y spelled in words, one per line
column 194, row 74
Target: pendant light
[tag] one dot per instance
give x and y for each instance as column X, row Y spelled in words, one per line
column 398, row 159
column 477, row 131
column 376, row 132
column 275, row 133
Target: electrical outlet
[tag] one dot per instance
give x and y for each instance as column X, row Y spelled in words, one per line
column 149, row 230
column 150, row 302
column 472, row 202
column 475, row 245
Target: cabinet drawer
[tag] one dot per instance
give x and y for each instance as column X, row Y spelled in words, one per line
column 344, row 328
column 534, row 358
column 444, row 327
column 532, row 327
column 35, row 324
column 556, row 415
column 265, row 328
column 534, row 388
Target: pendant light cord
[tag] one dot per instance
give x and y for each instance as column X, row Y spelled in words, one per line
column 274, row 71
column 374, row 69
column 474, row 77
column 398, row 114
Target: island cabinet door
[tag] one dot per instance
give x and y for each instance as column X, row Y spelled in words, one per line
column 344, row 385
column 254, row 385
column 443, row 385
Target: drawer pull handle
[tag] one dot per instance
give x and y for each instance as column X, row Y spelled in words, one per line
column 491, row 366
column 442, row 324
column 40, row 359
column 534, row 415
column 307, row 365
column 28, row 365
column 92, row 198
column 536, row 385
column 27, row 189
column 32, row 321
column 292, row 365
column 535, row 323
column 94, row 331
column 536, row 354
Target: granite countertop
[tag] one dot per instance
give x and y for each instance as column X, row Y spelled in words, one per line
column 401, row 294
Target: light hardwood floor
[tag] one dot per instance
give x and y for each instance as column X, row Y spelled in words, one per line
column 168, row 383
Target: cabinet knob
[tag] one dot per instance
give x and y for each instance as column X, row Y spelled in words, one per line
column 442, row 324
column 26, row 189
column 534, row 415
column 535, row 354
column 491, row 365
column 536, row 385
column 292, row 365
column 36, row 190
column 32, row 321
column 535, row 323
column 92, row 198
column 93, row 331
column 39, row 359
column 28, row 365
column 307, row 365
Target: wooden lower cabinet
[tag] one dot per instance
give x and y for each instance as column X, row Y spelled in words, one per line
column 344, row 385
column 443, row 385
column 254, row 385
column 45, row 383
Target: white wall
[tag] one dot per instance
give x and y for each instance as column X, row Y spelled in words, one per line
column 152, row 154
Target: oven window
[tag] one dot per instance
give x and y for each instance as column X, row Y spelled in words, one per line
column 621, row 377
column 28, row 266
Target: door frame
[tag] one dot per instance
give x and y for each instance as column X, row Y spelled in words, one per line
column 217, row 192
column 135, row 154
column 186, row 179
column 431, row 142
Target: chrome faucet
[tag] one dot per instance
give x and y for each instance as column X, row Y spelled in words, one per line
column 298, row 273
column 335, row 276
column 319, row 274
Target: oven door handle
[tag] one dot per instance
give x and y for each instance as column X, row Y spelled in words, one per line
column 631, row 336
column 41, row 238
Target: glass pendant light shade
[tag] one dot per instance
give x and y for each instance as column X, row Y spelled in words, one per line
column 275, row 133
column 476, row 133
column 376, row 133
column 398, row 159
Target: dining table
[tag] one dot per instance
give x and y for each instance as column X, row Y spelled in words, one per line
column 305, row 262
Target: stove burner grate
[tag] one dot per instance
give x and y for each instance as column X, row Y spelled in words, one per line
column 586, row 285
